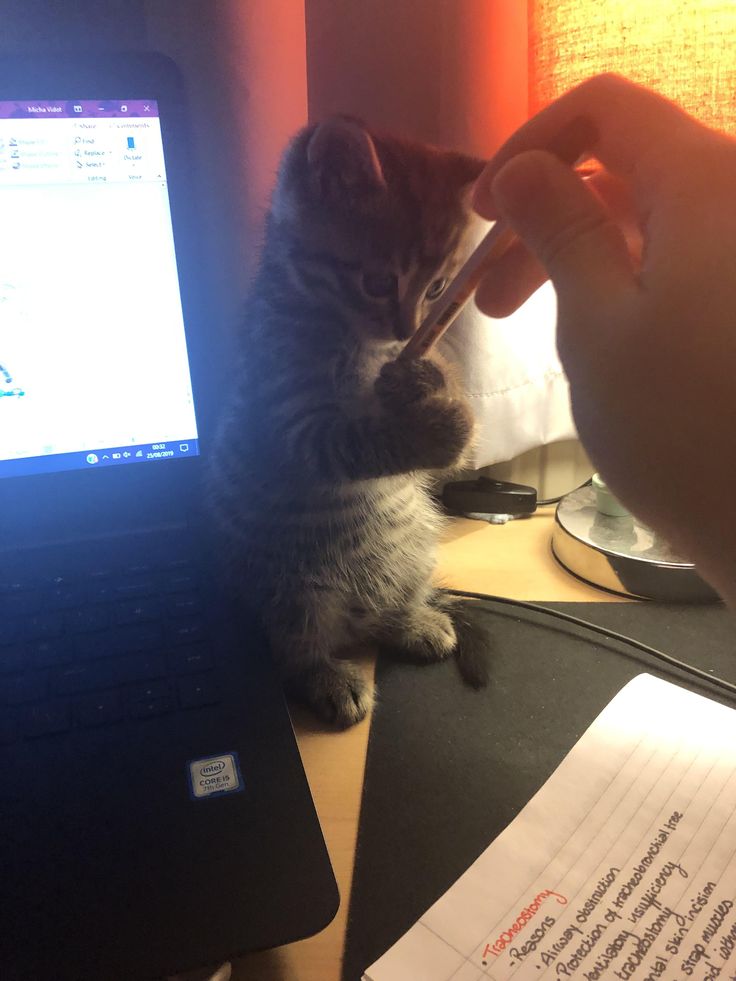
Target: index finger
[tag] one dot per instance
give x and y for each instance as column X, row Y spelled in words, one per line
column 636, row 132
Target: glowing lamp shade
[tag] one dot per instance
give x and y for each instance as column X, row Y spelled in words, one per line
column 684, row 49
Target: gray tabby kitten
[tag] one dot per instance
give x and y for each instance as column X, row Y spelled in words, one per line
column 327, row 448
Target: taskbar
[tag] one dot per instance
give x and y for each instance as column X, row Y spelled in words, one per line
column 95, row 459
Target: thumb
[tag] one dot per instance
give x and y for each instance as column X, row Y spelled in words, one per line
column 566, row 227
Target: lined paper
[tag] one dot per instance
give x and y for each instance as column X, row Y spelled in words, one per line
column 622, row 866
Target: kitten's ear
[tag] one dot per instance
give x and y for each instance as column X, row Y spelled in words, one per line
column 465, row 172
column 343, row 161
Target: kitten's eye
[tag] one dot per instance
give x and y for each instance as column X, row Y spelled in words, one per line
column 380, row 284
column 435, row 289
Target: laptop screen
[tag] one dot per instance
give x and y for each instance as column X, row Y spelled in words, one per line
column 93, row 359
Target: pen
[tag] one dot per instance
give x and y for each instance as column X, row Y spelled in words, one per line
column 573, row 141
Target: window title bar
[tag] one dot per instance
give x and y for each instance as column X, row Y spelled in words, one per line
column 79, row 109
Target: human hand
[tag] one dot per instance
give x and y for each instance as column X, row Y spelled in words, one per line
column 642, row 260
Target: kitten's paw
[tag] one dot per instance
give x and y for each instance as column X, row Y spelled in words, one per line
column 403, row 382
column 336, row 692
column 430, row 418
column 442, row 429
column 426, row 635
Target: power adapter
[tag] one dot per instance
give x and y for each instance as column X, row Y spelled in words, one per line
column 496, row 501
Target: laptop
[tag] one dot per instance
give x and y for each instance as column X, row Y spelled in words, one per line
column 154, row 813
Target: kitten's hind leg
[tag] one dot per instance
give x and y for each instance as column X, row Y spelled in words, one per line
column 305, row 643
column 418, row 631
column 474, row 640
column 436, row 625
column 336, row 691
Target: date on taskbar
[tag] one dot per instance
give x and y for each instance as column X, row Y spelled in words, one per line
column 94, row 459
column 137, row 454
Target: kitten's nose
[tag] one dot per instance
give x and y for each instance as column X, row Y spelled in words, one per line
column 405, row 324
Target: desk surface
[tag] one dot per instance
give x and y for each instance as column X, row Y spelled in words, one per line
column 511, row 560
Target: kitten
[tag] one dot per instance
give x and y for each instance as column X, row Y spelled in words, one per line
column 328, row 445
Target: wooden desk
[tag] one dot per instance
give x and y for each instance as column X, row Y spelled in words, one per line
column 511, row 560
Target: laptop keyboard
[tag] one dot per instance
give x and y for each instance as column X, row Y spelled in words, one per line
column 96, row 650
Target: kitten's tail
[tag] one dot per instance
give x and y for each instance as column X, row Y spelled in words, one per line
column 473, row 650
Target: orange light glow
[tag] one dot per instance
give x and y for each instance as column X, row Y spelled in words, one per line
column 685, row 49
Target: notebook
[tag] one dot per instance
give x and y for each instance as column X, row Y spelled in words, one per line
column 154, row 814
column 623, row 865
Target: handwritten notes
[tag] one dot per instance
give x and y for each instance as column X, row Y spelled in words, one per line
column 623, row 866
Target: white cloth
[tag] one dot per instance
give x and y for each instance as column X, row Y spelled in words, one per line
column 513, row 378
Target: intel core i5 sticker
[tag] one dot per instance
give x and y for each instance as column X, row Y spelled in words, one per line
column 215, row 775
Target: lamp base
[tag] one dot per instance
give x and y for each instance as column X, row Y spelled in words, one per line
column 620, row 554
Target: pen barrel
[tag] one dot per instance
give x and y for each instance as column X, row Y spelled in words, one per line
column 431, row 330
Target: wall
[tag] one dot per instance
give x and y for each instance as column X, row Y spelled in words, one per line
column 451, row 72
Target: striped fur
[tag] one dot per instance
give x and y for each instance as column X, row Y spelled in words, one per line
column 328, row 444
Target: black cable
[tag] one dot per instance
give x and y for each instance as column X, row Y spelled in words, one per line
column 555, row 500
column 605, row 632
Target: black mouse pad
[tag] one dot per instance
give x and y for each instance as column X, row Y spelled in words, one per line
column 448, row 768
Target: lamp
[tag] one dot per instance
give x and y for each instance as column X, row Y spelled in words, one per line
column 685, row 50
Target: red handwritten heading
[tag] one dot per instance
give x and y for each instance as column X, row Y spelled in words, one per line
column 525, row 916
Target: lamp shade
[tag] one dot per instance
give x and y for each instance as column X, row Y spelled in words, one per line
column 684, row 49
